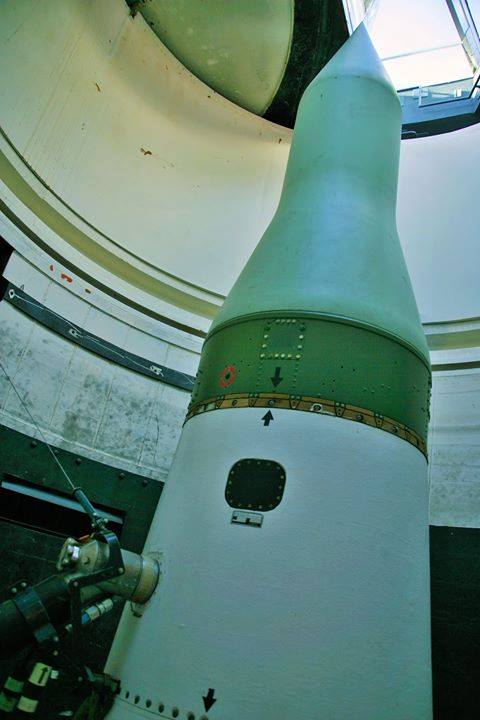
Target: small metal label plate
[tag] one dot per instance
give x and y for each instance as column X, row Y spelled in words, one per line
column 242, row 517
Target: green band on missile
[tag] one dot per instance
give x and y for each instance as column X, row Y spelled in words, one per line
column 317, row 358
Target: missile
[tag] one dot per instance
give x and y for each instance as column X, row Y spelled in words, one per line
column 293, row 528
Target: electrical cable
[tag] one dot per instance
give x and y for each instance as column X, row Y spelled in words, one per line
column 96, row 519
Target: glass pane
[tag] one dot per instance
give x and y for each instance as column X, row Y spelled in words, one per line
column 429, row 68
column 419, row 42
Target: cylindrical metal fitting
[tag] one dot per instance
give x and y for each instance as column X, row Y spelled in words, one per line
column 136, row 583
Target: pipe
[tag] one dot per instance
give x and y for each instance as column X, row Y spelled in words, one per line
column 137, row 582
column 15, row 632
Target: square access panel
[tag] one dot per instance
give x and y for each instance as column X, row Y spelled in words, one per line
column 255, row 484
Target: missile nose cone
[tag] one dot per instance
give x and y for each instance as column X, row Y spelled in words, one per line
column 332, row 247
column 356, row 57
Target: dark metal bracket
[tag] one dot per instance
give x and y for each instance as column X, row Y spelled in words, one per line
column 50, row 319
column 33, row 610
column 113, row 568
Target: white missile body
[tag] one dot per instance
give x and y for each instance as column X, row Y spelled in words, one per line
column 321, row 612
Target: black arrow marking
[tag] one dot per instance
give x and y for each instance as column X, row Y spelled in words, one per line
column 267, row 419
column 276, row 379
column 208, row 699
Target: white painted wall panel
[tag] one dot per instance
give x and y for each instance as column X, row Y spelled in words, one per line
column 134, row 143
column 438, row 222
column 81, row 401
column 455, row 449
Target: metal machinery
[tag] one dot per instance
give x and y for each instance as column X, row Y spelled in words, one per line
column 93, row 574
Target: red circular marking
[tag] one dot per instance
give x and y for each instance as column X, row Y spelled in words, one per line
column 228, row 375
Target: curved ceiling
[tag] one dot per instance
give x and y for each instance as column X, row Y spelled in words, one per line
column 260, row 54
column 239, row 49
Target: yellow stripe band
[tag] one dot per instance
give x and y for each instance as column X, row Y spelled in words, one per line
column 14, row 685
column 7, row 704
column 40, row 674
column 316, row 405
column 27, row 705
